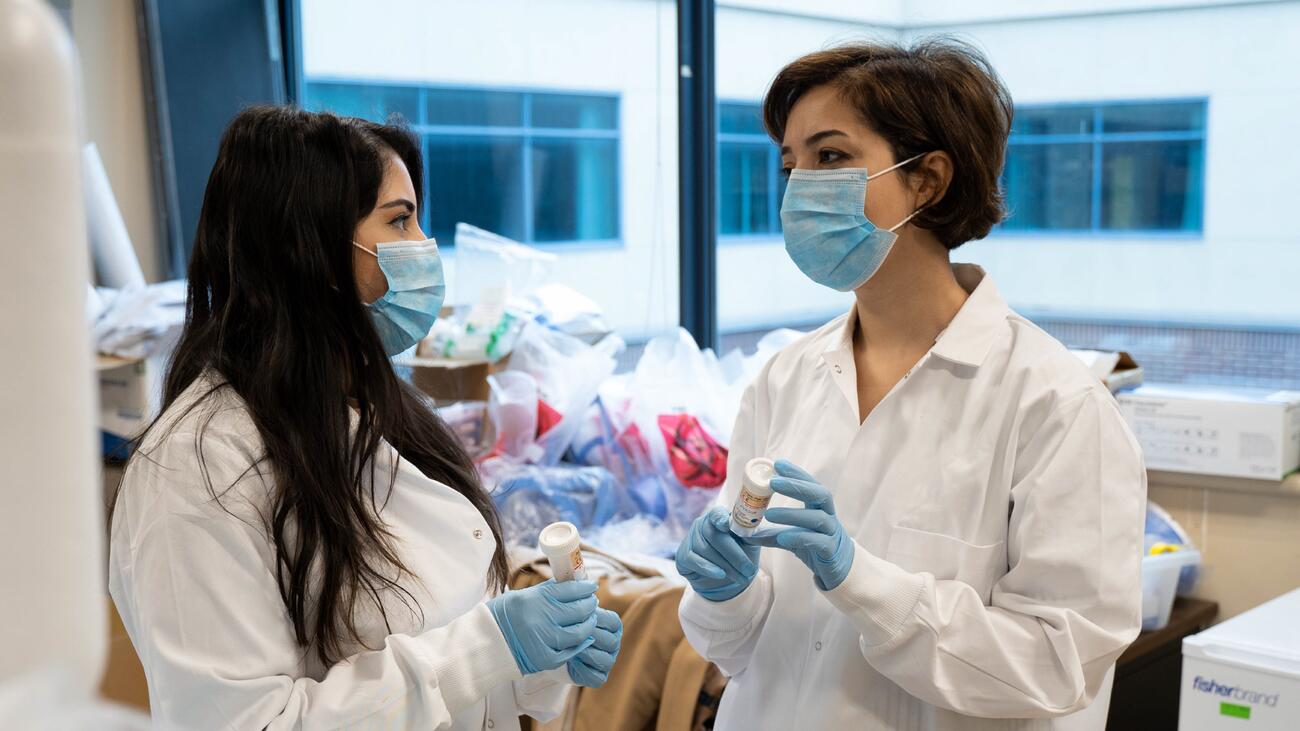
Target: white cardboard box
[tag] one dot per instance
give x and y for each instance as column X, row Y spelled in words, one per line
column 1244, row 674
column 1233, row 432
column 130, row 390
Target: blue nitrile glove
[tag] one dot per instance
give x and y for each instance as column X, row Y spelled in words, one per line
column 714, row 560
column 547, row 624
column 818, row 538
column 591, row 666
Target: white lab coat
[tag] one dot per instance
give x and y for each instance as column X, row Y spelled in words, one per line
column 996, row 499
column 197, row 591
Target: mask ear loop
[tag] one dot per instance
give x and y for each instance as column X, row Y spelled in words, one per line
column 915, row 213
column 368, row 251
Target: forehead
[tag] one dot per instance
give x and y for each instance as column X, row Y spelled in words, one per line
column 397, row 179
column 822, row 107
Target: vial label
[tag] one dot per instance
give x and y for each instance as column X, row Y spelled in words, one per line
column 572, row 568
column 749, row 509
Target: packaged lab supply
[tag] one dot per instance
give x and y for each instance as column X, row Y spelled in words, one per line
column 754, row 496
column 1232, row 432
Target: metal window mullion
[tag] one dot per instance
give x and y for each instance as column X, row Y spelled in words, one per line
column 1095, row 212
column 527, row 165
column 697, row 171
column 773, row 189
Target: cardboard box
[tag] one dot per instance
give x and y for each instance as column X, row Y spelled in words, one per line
column 450, row 381
column 1232, row 432
column 130, row 392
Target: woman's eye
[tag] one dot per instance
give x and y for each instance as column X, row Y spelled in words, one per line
column 400, row 221
column 827, row 157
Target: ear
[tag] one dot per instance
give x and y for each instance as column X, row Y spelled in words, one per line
column 931, row 178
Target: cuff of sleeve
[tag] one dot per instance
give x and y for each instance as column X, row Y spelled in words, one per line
column 736, row 614
column 878, row 595
column 482, row 662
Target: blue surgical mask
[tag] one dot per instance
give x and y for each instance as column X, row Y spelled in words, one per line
column 827, row 233
column 416, row 287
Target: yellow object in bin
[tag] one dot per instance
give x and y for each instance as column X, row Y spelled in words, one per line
column 1158, row 549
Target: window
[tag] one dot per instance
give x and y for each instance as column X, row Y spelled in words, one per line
column 1122, row 167
column 533, row 166
column 750, row 184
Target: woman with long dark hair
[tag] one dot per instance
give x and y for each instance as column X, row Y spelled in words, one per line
column 299, row 541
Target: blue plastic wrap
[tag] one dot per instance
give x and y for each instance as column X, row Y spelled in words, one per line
column 530, row 497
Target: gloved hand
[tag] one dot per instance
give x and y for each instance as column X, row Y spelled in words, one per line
column 547, row 624
column 713, row 559
column 818, row 538
column 591, row 666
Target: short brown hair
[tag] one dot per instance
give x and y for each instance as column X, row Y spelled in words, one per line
column 937, row 94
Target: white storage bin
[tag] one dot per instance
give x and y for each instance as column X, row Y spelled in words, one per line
column 1160, row 584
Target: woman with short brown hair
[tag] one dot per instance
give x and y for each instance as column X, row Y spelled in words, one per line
column 956, row 536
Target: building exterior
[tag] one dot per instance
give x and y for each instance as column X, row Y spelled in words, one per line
column 1150, row 172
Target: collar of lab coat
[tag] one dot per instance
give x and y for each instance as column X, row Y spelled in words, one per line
column 970, row 335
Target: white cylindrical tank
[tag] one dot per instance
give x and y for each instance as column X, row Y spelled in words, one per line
column 52, row 616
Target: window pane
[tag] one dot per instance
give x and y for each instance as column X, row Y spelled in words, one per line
column 1049, row 187
column 575, row 189
column 1180, row 117
column 573, row 111
column 740, row 119
column 744, row 174
column 1072, row 120
column 355, row 100
column 1152, row 186
column 473, row 107
column 476, row 180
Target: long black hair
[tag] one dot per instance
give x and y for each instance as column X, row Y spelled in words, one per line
column 274, row 310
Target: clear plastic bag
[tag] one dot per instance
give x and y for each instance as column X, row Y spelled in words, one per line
column 568, row 374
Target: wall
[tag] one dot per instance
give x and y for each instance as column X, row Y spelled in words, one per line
column 115, row 116
column 1249, row 540
column 1241, row 58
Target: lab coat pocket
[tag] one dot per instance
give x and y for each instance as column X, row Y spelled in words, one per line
column 947, row 558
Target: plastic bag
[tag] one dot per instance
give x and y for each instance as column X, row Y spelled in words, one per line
column 514, row 410
column 565, row 309
column 640, row 534
column 139, row 322
column 531, row 497
column 493, row 268
column 568, row 374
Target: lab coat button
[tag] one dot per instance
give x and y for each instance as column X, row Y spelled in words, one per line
column 478, row 534
column 491, row 723
column 839, row 369
column 818, row 647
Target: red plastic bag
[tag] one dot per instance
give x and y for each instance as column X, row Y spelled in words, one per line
column 696, row 458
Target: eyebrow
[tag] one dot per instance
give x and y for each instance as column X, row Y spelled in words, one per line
column 399, row 202
column 818, row 137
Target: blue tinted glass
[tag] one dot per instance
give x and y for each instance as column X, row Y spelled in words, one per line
column 474, row 108
column 1073, row 120
column 574, row 111
column 1152, row 186
column 1177, row 117
column 477, row 180
column 375, row 103
column 1049, row 187
column 744, row 175
column 740, row 119
column 575, row 190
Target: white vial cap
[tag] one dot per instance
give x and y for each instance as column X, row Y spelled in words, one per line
column 559, row 539
column 758, row 476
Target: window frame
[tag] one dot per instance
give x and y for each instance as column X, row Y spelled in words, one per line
column 773, row 186
column 525, row 133
column 1097, row 139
